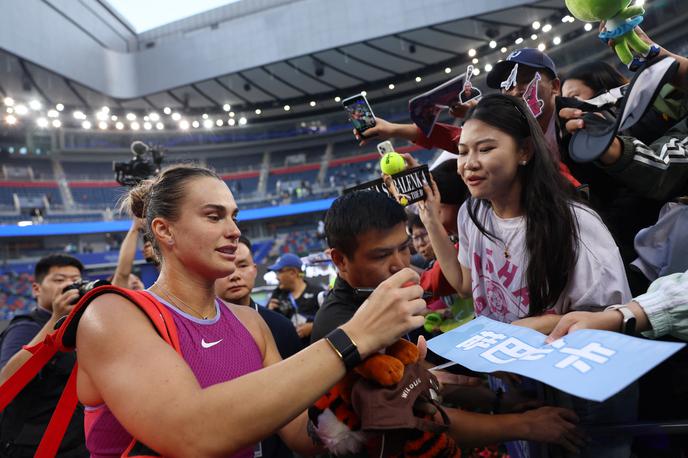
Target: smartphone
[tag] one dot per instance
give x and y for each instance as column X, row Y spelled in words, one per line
column 360, row 113
column 385, row 147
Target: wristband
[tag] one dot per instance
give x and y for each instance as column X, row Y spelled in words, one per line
column 342, row 344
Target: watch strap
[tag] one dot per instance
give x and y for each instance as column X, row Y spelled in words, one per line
column 346, row 348
column 629, row 320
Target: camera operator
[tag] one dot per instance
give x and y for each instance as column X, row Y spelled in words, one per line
column 25, row 419
column 139, row 168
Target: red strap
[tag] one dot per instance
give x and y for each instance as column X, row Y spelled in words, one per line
column 42, row 353
column 52, row 438
column 162, row 320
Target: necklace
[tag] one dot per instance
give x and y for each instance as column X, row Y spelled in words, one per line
column 181, row 302
column 505, row 244
column 507, row 255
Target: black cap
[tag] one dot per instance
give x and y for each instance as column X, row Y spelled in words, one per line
column 529, row 57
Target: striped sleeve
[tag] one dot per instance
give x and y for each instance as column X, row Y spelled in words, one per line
column 658, row 171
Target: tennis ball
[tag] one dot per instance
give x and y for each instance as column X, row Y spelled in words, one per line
column 403, row 201
column 392, row 163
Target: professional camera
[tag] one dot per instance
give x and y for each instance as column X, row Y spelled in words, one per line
column 84, row 286
column 138, row 169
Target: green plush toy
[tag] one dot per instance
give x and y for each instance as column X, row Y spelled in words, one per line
column 621, row 20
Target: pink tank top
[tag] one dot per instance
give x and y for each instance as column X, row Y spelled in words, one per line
column 217, row 350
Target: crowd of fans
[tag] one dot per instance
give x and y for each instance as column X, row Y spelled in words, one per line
column 511, row 228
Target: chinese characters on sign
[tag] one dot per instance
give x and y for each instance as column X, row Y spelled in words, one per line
column 511, row 349
column 590, row 364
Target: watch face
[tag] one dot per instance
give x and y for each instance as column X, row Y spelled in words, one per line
column 629, row 326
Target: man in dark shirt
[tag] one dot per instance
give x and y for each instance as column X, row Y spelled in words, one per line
column 236, row 288
column 366, row 249
column 27, row 416
column 294, row 297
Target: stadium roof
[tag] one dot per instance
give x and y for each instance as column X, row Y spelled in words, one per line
column 146, row 15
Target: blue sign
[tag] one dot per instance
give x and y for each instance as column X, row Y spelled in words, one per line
column 588, row 363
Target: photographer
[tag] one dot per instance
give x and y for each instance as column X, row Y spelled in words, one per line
column 25, row 419
column 294, row 297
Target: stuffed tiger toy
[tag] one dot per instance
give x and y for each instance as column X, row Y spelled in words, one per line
column 338, row 426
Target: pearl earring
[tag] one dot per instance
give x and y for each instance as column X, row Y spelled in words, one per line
column 523, row 162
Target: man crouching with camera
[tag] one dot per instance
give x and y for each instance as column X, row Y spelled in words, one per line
column 57, row 287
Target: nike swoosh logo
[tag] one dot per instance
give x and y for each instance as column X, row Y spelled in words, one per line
column 205, row 344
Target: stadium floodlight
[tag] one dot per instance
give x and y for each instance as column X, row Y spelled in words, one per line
column 493, row 44
column 135, row 126
column 418, row 79
column 447, row 70
column 147, row 125
column 9, row 101
column 154, row 117
column 42, row 123
column 337, row 99
column 287, row 108
column 102, row 125
column 176, row 116
column 391, row 86
column 231, row 122
column 195, row 124
column 21, row 110
column 205, row 116
column 53, row 114
column 312, row 103
column 167, row 110
column 57, row 123
column 226, row 107
column 119, row 125
column 242, row 121
column 59, row 107
column 232, row 114
column 208, row 123
column 219, row 123
column 86, row 125
column 131, row 116
column 556, row 40
column 11, row 120
column 160, row 126
column 35, row 105
column 536, row 25
column 79, row 115
column 258, row 111
column 184, row 124
column 546, row 28
column 472, row 52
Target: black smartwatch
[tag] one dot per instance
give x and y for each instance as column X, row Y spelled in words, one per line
column 342, row 344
